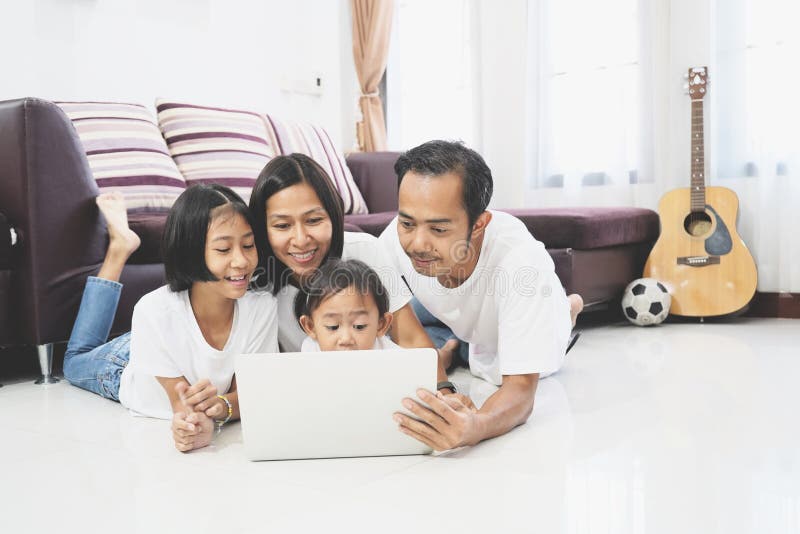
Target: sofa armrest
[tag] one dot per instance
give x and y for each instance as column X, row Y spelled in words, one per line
column 6, row 242
column 47, row 192
column 374, row 175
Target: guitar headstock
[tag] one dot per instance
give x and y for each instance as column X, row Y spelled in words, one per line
column 698, row 79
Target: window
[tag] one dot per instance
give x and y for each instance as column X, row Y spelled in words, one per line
column 755, row 88
column 430, row 74
column 756, row 139
column 588, row 123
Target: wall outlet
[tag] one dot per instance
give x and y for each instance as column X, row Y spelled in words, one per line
column 308, row 85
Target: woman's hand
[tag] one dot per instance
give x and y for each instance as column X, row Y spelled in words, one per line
column 192, row 431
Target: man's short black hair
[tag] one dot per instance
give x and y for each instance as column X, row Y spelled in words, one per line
column 183, row 245
column 435, row 158
column 282, row 172
column 336, row 275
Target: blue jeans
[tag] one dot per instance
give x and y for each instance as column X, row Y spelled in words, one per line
column 91, row 362
column 439, row 332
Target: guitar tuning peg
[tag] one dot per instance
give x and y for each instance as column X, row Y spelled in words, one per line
column 686, row 76
column 686, row 87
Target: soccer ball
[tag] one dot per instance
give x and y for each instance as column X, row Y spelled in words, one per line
column 646, row 302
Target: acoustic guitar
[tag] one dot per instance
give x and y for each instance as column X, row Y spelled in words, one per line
column 699, row 255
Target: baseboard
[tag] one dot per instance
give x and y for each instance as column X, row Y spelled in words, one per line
column 783, row 305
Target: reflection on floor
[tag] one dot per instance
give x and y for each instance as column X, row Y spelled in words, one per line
column 672, row 429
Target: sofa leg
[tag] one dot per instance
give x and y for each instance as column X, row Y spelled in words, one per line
column 46, row 364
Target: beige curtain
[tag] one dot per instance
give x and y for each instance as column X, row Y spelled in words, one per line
column 372, row 23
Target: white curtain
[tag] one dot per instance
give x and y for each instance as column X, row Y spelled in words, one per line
column 591, row 102
column 756, row 130
column 431, row 77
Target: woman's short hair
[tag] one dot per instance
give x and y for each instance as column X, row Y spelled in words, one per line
column 183, row 245
column 282, row 172
column 336, row 275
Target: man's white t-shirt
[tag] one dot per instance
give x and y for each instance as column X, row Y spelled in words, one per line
column 381, row 343
column 166, row 341
column 512, row 310
column 357, row 246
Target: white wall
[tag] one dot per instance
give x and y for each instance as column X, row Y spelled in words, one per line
column 243, row 53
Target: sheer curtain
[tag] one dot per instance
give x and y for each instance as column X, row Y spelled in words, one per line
column 756, row 130
column 431, row 78
column 592, row 110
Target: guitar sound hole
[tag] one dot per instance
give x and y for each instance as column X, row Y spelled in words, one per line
column 697, row 224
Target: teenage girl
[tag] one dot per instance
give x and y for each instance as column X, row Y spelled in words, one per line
column 177, row 361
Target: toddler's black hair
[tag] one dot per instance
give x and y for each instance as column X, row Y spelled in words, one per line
column 336, row 275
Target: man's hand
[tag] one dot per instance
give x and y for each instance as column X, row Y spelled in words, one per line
column 449, row 423
column 192, row 431
column 466, row 401
column 202, row 397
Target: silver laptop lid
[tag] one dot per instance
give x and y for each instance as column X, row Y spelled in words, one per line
column 329, row 404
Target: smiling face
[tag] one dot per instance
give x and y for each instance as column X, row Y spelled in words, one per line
column 230, row 254
column 347, row 320
column 433, row 227
column 299, row 229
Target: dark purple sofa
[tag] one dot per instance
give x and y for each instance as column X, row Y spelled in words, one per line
column 47, row 196
column 597, row 251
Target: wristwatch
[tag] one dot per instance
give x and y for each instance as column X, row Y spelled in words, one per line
column 446, row 384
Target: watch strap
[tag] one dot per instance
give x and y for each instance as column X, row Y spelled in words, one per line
column 446, row 384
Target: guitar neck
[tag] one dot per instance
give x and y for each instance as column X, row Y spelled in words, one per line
column 698, row 188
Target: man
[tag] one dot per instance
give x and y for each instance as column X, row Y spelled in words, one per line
column 484, row 276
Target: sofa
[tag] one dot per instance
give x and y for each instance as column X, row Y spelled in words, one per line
column 52, row 236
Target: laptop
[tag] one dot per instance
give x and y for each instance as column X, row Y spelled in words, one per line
column 299, row 405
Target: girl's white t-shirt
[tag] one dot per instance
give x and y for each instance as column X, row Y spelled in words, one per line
column 512, row 310
column 166, row 341
column 357, row 246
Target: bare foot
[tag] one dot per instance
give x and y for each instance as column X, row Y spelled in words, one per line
column 575, row 307
column 447, row 351
column 121, row 239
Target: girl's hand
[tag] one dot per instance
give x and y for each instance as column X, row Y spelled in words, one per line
column 218, row 410
column 192, row 431
column 199, row 397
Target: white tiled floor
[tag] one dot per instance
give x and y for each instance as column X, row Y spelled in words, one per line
column 681, row 428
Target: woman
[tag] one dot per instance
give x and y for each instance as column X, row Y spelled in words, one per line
column 299, row 223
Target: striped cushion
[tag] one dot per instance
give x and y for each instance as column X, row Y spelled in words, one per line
column 224, row 146
column 313, row 141
column 127, row 153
